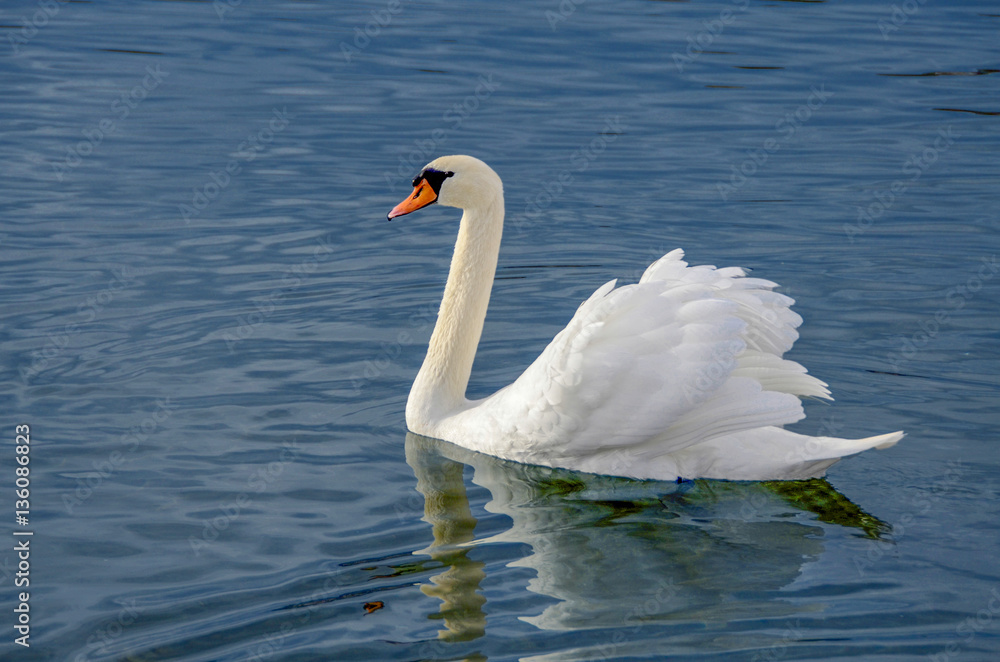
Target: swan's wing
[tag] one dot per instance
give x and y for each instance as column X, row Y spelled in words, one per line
column 686, row 354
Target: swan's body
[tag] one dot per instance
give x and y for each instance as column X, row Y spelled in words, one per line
column 678, row 375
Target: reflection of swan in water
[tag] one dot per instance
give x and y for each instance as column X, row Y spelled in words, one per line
column 447, row 509
column 613, row 551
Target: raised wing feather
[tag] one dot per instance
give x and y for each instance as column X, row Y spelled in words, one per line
column 683, row 356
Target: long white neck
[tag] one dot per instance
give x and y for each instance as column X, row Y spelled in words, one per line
column 439, row 388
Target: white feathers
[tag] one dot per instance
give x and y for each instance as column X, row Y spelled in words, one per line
column 680, row 374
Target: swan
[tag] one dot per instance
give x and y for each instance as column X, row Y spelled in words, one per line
column 678, row 376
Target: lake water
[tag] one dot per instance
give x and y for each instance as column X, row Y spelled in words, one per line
column 211, row 330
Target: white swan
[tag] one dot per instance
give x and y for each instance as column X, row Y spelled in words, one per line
column 678, row 375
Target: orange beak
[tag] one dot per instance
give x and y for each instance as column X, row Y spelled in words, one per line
column 423, row 195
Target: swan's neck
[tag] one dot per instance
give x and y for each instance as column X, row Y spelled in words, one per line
column 439, row 388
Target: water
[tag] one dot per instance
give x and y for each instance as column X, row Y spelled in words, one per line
column 211, row 329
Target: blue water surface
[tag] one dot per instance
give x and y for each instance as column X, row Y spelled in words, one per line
column 211, row 330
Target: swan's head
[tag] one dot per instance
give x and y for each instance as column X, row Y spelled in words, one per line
column 454, row 181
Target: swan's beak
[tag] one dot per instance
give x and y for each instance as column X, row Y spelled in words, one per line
column 423, row 195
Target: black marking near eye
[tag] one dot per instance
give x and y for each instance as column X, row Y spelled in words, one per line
column 434, row 177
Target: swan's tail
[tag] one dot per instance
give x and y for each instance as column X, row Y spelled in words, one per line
column 883, row 441
column 825, row 448
column 766, row 453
